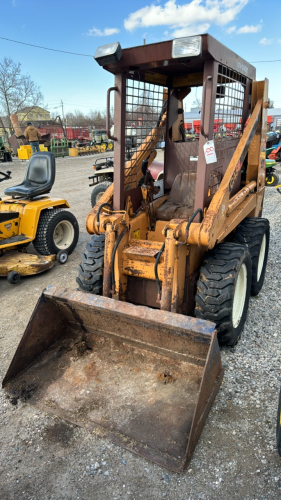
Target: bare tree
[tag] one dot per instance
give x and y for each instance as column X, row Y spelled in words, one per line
column 79, row 119
column 197, row 103
column 16, row 90
column 270, row 103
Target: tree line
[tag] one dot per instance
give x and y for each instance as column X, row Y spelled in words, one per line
column 93, row 119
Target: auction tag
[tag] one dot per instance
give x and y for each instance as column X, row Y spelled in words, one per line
column 210, row 153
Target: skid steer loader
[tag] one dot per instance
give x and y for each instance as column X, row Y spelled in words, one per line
column 169, row 269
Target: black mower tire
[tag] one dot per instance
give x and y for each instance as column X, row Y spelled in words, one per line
column 223, row 290
column 90, row 277
column 98, row 191
column 13, row 277
column 272, row 179
column 52, row 220
column 254, row 232
column 62, row 257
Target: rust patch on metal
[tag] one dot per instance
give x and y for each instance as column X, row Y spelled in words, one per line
column 166, row 377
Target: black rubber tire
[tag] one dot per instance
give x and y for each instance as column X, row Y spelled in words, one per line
column 278, row 426
column 90, row 278
column 62, row 257
column 272, row 179
column 250, row 233
column 13, row 277
column 97, row 190
column 44, row 240
column 216, row 287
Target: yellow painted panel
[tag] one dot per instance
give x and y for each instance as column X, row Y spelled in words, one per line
column 185, row 80
column 151, row 76
column 141, row 269
column 73, row 152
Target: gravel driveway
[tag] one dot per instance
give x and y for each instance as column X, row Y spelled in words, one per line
column 44, row 458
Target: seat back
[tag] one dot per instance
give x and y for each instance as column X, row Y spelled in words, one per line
column 39, row 177
column 183, row 189
column 41, row 170
column 180, row 204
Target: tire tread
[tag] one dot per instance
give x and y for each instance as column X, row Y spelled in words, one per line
column 215, row 289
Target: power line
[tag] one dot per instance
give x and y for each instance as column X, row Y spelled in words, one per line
column 274, row 60
column 90, row 55
column 45, row 48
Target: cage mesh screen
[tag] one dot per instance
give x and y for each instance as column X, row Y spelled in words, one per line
column 228, row 120
column 145, row 125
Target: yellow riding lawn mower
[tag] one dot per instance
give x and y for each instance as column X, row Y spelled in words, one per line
column 28, row 215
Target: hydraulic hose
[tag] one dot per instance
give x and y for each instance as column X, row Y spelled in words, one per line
column 198, row 211
column 99, row 209
column 113, row 258
column 156, row 270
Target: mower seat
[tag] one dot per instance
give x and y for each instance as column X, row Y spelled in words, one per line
column 39, row 177
column 180, row 204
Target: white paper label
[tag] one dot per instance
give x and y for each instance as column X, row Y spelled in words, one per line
column 210, row 153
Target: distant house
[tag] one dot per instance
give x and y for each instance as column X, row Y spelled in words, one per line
column 39, row 117
column 33, row 113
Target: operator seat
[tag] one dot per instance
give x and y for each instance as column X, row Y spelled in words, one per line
column 39, row 177
column 180, row 204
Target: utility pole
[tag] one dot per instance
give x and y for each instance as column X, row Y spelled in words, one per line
column 62, row 113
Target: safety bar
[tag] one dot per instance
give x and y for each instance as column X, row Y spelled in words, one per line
column 203, row 108
column 108, row 114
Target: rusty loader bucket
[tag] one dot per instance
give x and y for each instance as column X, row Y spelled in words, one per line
column 144, row 378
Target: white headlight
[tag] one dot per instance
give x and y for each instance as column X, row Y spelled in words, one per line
column 108, row 54
column 187, row 47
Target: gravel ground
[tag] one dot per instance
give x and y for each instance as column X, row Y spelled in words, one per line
column 44, row 458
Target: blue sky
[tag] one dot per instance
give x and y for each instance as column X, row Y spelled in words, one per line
column 251, row 28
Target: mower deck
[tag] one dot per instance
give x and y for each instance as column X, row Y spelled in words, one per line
column 25, row 264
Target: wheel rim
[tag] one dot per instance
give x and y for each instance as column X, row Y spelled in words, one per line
column 99, row 195
column 261, row 257
column 110, row 145
column 239, row 296
column 63, row 234
column 269, row 179
column 103, row 146
column 63, row 257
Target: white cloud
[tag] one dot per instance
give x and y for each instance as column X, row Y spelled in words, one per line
column 106, row 32
column 191, row 30
column 279, row 41
column 230, row 30
column 193, row 14
column 265, row 41
column 249, row 29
